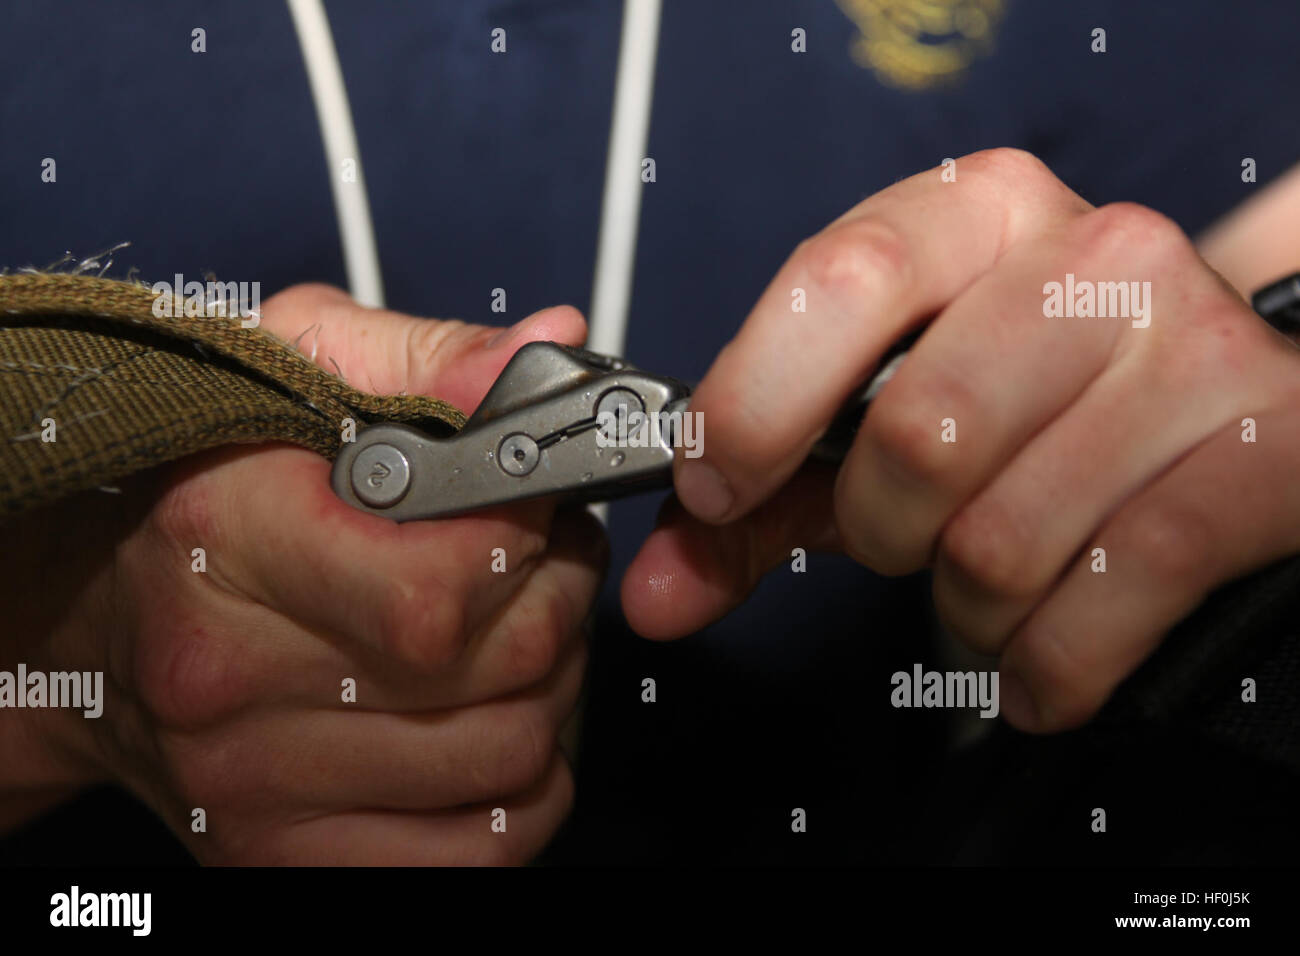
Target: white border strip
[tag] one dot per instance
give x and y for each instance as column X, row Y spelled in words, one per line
column 325, row 75
column 621, row 207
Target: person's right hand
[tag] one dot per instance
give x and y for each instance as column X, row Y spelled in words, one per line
column 224, row 689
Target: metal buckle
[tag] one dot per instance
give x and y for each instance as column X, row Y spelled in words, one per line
column 534, row 434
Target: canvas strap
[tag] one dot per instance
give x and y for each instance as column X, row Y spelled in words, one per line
column 95, row 385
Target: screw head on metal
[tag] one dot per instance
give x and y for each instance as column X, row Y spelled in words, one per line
column 381, row 475
column 517, row 454
column 619, row 402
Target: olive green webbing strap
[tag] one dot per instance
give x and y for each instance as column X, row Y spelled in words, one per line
column 94, row 387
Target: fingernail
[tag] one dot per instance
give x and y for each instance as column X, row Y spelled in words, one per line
column 1015, row 700
column 704, row 491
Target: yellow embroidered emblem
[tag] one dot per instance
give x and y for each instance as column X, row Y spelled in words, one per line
column 917, row 44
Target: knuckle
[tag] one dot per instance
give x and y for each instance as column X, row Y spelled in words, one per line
column 527, row 543
column 984, row 545
column 907, row 436
column 1007, row 163
column 1119, row 231
column 1136, row 221
column 854, row 260
column 186, row 513
column 423, row 624
column 532, row 647
column 1021, row 179
column 189, row 679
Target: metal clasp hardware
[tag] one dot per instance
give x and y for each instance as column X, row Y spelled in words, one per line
column 534, row 434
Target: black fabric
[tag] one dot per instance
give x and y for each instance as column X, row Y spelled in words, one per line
column 1247, row 629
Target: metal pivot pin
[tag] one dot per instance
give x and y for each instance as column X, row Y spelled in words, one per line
column 381, row 475
column 619, row 402
column 518, row 454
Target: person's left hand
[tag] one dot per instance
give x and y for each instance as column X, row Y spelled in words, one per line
column 1011, row 443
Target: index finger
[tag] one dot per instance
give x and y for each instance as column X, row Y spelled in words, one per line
column 864, row 281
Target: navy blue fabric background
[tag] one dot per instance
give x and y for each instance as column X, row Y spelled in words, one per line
column 486, row 171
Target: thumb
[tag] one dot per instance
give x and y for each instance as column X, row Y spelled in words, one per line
column 387, row 353
column 689, row 574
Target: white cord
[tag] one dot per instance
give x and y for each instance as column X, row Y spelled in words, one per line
column 340, row 137
column 621, row 207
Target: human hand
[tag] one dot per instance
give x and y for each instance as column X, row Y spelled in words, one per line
column 226, row 689
column 1009, row 445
